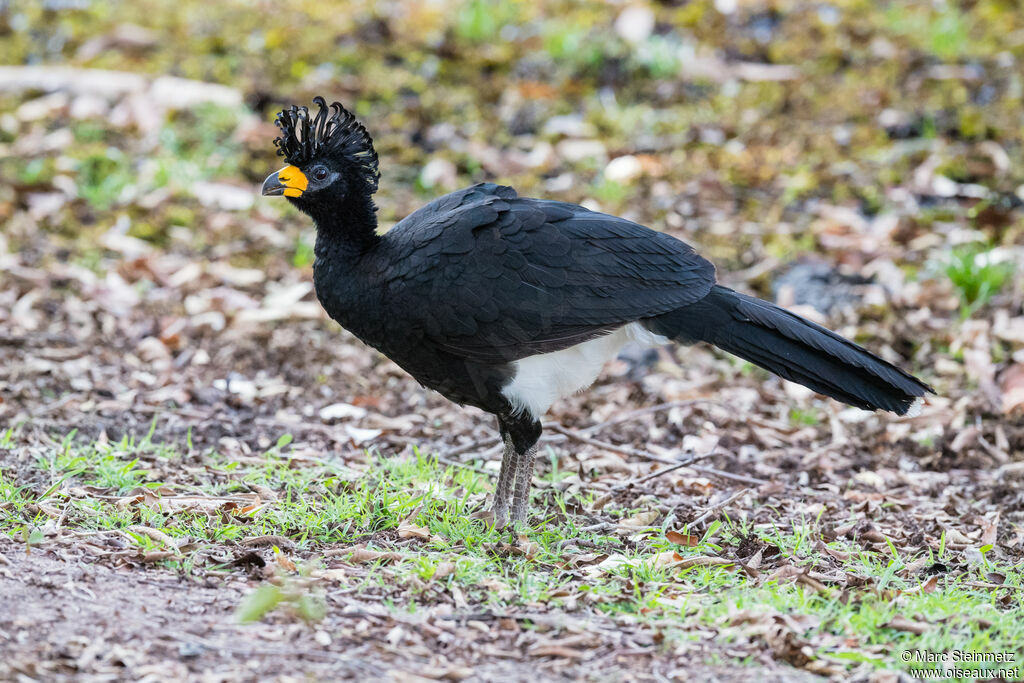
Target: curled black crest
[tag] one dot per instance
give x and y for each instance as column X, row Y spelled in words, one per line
column 334, row 130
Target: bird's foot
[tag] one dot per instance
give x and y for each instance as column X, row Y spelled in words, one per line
column 519, row 514
column 521, row 492
column 499, row 515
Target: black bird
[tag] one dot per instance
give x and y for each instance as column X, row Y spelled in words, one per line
column 508, row 303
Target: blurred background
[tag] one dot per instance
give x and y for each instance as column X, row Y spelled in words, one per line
column 861, row 162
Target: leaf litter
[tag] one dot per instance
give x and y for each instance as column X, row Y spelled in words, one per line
column 182, row 310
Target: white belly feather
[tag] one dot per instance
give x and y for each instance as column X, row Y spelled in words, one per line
column 542, row 379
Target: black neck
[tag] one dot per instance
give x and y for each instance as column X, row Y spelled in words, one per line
column 346, row 228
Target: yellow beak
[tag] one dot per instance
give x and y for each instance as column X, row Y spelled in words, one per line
column 289, row 181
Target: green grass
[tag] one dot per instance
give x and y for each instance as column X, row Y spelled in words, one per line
column 804, row 417
column 477, row 21
column 976, row 276
column 326, row 504
column 103, row 176
column 944, row 33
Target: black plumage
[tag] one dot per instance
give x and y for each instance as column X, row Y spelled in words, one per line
column 480, row 278
column 793, row 348
column 469, row 288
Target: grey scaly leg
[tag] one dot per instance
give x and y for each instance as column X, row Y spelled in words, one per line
column 520, row 433
column 524, row 477
column 506, row 480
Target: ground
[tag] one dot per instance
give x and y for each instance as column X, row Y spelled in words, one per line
column 202, row 477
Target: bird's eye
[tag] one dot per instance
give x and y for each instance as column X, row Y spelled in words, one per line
column 319, row 173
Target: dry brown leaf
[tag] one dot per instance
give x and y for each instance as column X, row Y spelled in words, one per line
column 1007, row 328
column 989, row 530
column 458, row 596
column 956, row 539
column 686, row 540
column 787, row 645
column 843, row 530
column 854, row 580
column 282, row 542
column 556, row 651
column 157, row 556
column 703, row 561
column 835, row 577
column 786, row 571
column 831, row 552
column 409, row 530
column 264, row 492
column 338, row 574
column 500, row 589
column 641, row 520
column 285, row 562
column 824, row 668
column 901, row 623
column 526, row 547
column 360, row 436
column 928, row 586
column 754, row 562
column 997, row 578
column 485, row 516
column 810, row 582
column 249, row 559
column 359, row 554
column 872, row 536
column 1011, row 387
column 746, row 616
column 156, row 535
column 916, row 566
column 144, row 497
column 241, row 504
column 48, row 510
column 609, row 563
column 444, row 569
column 86, row 491
column 585, row 560
column 666, row 559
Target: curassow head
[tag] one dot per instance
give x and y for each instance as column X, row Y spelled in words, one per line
column 330, row 157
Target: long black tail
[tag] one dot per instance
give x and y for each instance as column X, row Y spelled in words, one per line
column 793, row 348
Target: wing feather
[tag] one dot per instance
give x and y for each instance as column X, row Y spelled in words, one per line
column 492, row 277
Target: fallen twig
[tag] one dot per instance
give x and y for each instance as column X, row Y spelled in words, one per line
column 993, row 586
column 717, row 506
column 602, row 500
column 632, row 414
column 666, row 470
column 746, row 479
column 637, row 453
column 615, row 448
column 456, row 463
column 484, row 444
